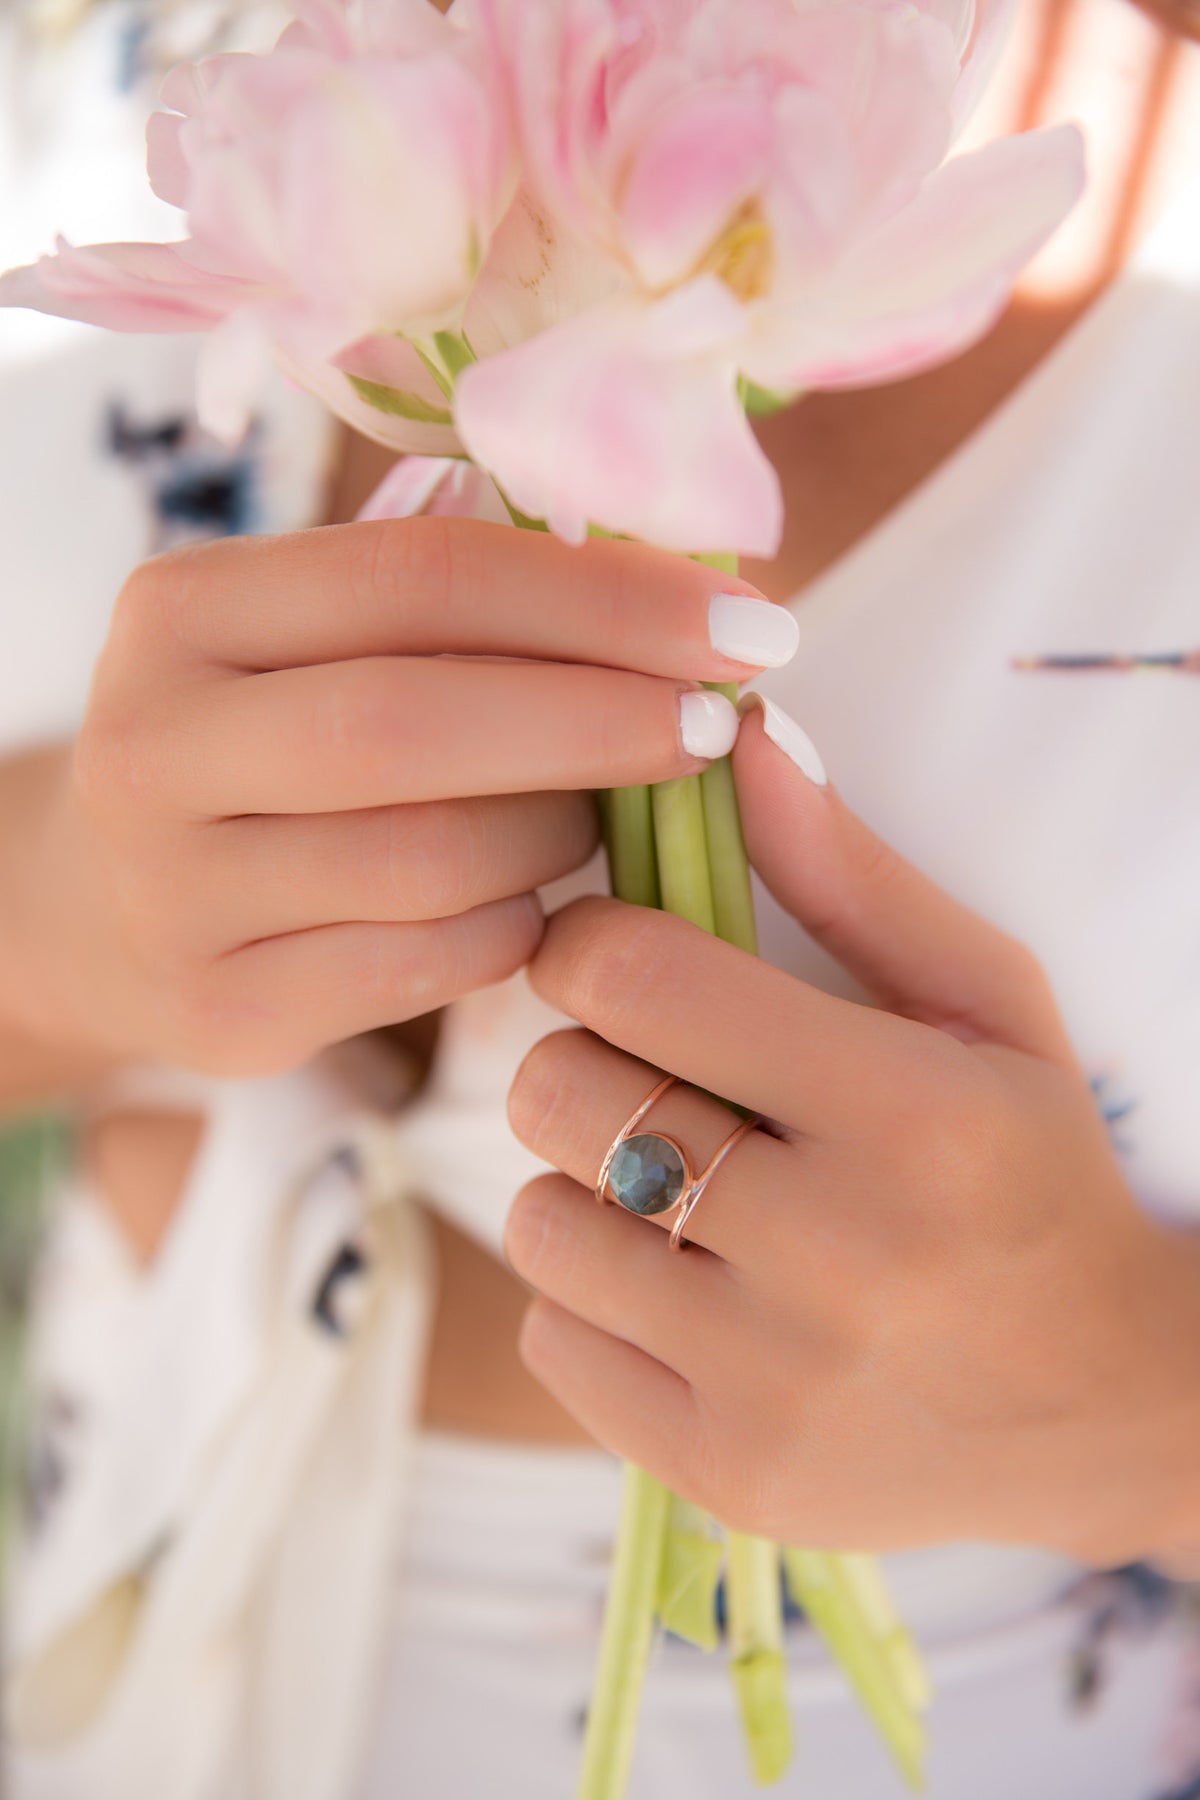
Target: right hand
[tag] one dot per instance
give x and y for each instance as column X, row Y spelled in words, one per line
column 321, row 776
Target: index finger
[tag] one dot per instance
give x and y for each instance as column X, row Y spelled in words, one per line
column 723, row 1020
column 430, row 586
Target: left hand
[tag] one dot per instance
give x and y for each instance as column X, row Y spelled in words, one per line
column 929, row 1308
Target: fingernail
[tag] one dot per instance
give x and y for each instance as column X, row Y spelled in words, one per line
column 708, row 724
column 752, row 631
column 787, row 736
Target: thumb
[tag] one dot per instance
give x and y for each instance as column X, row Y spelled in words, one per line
column 917, row 949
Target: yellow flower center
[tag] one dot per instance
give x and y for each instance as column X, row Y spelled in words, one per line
column 743, row 256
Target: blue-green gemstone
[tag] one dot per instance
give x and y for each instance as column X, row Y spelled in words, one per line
column 646, row 1174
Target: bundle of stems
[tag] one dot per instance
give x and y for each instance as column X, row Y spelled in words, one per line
column 679, row 846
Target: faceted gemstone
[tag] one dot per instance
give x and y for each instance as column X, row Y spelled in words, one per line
column 647, row 1174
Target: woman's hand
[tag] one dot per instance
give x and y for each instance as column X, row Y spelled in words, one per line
column 927, row 1306
column 309, row 797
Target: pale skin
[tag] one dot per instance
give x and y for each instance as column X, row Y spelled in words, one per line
column 926, row 1307
column 253, row 852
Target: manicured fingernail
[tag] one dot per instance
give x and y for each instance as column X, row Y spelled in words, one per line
column 752, row 631
column 708, row 724
column 784, row 732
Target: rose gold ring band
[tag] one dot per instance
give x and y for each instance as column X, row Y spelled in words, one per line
column 691, row 1197
column 693, row 1185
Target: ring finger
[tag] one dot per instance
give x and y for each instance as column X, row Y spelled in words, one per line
column 572, row 1095
column 261, row 876
column 600, row 1264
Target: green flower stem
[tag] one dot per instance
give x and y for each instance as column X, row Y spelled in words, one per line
column 680, row 845
column 635, row 1584
column 629, row 835
column 755, row 1619
column 851, row 1606
column 752, row 1566
column 864, row 1579
column 691, row 1574
column 819, row 1585
column 686, row 882
column 628, row 1631
column 682, row 848
column 728, row 865
column 752, row 1582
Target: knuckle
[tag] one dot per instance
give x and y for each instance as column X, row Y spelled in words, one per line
column 538, row 838
column 355, row 717
column 539, row 1084
column 91, row 766
column 905, row 1110
column 167, row 599
column 576, row 824
column 113, row 764
column 116, row 752
column 1017, row 957
column 453, row 857
column 403, row 558
column 1023, row 970
column 878, row 867
column 964, row 1158
column 496, row 941
column 929, row 1078
column 615, row 720
column 350, row 711
column 634, row 724
column 616, row 957
column 417, row 862
column 538, row 1340
column 139, row 603
column 470, row 857
column 529, row 1227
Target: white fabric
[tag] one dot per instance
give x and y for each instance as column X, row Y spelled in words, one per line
column 242, row 1467
column 495, row 1625
column 235, row 1483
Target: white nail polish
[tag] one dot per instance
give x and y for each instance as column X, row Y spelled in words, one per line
column 752, row 631
column 787, row 736
column 708, row 724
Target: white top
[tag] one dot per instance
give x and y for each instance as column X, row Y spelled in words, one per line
column 217, row 1422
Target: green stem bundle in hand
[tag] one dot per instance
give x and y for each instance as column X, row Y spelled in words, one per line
column 679, row 845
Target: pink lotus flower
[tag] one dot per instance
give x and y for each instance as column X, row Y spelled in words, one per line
column 435, row 486
column 717, row 197
column 343, row 186
column 752, row 189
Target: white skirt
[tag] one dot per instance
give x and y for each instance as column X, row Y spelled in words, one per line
column 1089, row 1692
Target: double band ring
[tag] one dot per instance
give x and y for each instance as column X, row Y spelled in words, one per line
column 648, row 1173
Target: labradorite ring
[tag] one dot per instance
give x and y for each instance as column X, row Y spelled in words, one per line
column 648, row 1173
